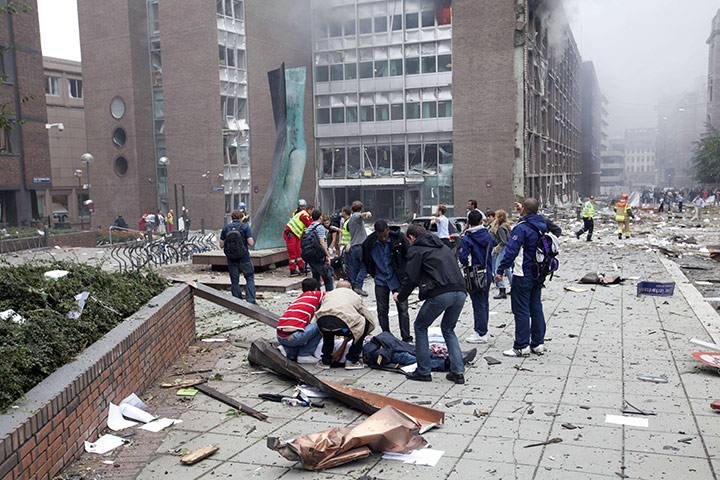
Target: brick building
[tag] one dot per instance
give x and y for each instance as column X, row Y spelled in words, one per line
column 171, row 80
column 24, row 154
column 66, row 132
column 713, row 86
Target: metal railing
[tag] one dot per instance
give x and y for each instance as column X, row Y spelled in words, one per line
column 162, row 250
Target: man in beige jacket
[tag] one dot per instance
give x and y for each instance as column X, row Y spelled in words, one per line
column 343, row 314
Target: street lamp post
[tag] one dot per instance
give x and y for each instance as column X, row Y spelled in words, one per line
column 87, row 159
column 78, row 174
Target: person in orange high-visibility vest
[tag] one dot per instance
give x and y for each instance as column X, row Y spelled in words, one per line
column 623, row 213
column 294, row 231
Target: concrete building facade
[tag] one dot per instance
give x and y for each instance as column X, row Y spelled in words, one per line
column 427, row 102
column 592, row 132
column 167, row 92
column 640, row 165
column 713, row 83
column 25, row 172
column 66, row 132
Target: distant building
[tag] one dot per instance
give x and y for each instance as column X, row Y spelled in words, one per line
column 640, row 165
column 713, row 86
column 592, row 132
column 24, row 155
column 66, row 119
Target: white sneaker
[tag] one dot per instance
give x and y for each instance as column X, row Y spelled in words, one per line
column 320, row 364
column 513, row 352
column 282, row 350
column 475, row 338
column 307, row 359
column 354, row 365
column 539, row 350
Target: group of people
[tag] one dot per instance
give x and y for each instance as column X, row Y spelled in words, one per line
column 399, row 263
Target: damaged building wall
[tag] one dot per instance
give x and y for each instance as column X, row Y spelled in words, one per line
column 592, row 132
column 713, row 105
column 552, row 105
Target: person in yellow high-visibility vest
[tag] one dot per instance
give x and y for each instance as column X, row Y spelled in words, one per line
column 623, row 213
column 294, row 231
column 345, row 232
column 588, row 216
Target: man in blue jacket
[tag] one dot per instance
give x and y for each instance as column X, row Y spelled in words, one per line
column 526, row 291
column 432, row 266
column 477, row 244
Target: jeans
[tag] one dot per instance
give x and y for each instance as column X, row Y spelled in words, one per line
column 325, row 271
column 356, row 270
column 507, row 273
column 301, row 344
column 382, row 297
column 234, row 269
column 481, row 311
column 526, row 304
column 452, row 304
column 331, row 326
column 405, row 358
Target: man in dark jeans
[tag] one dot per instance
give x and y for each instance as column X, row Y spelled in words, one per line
column 434, row 267
column 384, row 256
column 320, row 269
column 526, row 291
column 343, row 314
column 356, row 227
column 243, row 265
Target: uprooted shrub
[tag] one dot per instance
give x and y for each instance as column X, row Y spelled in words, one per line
column 41, row 337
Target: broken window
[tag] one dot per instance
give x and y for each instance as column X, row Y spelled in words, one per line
column 339, row 163
column 349, row 27
column 231, row 57
column 428, row 18
column 396, row 111
column 367, row 113
column 350, row 71
column 238, row 9
column 398, row 159
column 415, row 159
column 383, row 161
column 338, row 115
column 354, row 169
column 370, row 160
column 396, row 67
column 323, row 116
column 335, row 29
column 429, row 109
column 412, row 66
column 411, row 20
column 430, row 162
column 336, row 72
column 222, row 55
column 366, row 69
column 382, row 113
column 6, row 143
column 428, row 65
column 327, row 162
column 446, row 154
column 412, row 110
column 380, row 24
column 444, row 108
column 322, row 73
column 381, row 68
column 445, row 63
column 397, row 22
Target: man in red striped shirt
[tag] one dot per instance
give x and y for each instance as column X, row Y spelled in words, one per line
column 295, row 333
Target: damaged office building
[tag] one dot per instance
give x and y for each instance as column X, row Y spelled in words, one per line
column 427, row 102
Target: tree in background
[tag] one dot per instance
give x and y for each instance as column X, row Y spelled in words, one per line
column 706, row 156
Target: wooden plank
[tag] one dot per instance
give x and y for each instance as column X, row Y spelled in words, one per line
column 198, row 454
column 235, row 304
column 212, row 393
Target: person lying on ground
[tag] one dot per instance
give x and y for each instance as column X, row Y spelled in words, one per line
column 385, row 349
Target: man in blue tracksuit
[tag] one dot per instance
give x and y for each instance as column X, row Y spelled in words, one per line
column 477, row 244
column 526, row 291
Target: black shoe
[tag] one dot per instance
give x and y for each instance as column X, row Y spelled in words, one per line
column 408, row 339
column 500, row 295
column 469, row 356
column 417, row 377
column 456, row 377
column 293, row 273
column 577, row 235
column 589, row 239
column 619, row 236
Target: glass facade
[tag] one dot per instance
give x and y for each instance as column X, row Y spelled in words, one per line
column 158, row 109
column 383, row 105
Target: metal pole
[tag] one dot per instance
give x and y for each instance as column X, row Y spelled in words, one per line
column 79, row 196
column 202, row 226
column 87, row 165
column 177, row 210
column 182, row 188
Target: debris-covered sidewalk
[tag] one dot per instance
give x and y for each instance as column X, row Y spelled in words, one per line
column 579, row 411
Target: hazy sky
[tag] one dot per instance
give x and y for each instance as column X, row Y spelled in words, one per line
column 642, row 49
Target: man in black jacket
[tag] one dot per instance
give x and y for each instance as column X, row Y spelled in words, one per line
column 384, row 256
column 433, row 266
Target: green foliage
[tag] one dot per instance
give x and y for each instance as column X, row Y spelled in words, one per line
column 7, row 122
column 48, row 339
column 706, row 156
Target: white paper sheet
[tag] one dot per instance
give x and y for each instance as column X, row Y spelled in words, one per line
column 134, row 413
column 631, row 421
column 81, row 299
column 115, row 419
column 424, row 456
column 409, row 368
column 135, row 401
column 158, row 425
column 103, row 444
column 214, row 340
column 311, row 392
column 55, row 274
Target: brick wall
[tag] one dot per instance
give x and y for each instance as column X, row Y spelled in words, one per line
column 75, row 239
column 47, row 432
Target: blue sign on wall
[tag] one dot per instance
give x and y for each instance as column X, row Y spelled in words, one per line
column 41, row 179
column 218, row 189
column 656, row 288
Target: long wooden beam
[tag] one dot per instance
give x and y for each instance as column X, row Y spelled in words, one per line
column 251, row 310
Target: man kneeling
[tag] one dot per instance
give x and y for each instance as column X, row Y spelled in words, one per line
column 295, row 333
column 343, row 314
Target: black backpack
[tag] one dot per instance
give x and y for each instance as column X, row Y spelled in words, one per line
column 234, row 246
column 545, row 260
column 310, row 248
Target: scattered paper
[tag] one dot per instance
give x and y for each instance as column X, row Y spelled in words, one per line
column 115, row 419
column 311, row 392
column 712, row 299
column 108, row 462
column 134, row 413
column 103, row 444
column 187, row 392
column 214, row 340
column 630, row 421
column 55, row 274
column 81, row 299
column 424, row 456
column 158, row 425
column 576, row 289
column 135, row 401
column 13, row 316
column 409, row 368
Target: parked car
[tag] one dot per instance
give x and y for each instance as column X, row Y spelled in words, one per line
column 455, row 226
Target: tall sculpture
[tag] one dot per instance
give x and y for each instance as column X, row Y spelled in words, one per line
column 287, row 91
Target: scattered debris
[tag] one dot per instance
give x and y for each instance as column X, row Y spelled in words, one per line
column 160, row 424
column 192, row 372
column 295, row 401
column 187, row 392
column 715, row 405
column 551, row 441
column 621, row 475
column 492, row 361
column 212, row 393
column 103, row 444
column 388, row 430
column 577, row 289
column 630, row 421
column 452, row 403
column 183, row 383
column 686, row 440
column 649, row 378
column 597, row 278
column 634, row 410
column 569, row 426
column 479, row 412
column 520, row 368
column 214, row 340
column 251, row 430
column 199, row 454
column 670, row 447
column 424, row 456
column 468, row 402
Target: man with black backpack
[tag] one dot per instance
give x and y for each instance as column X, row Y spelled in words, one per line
column 235, row 240
column 314, row 251
column 528, row 279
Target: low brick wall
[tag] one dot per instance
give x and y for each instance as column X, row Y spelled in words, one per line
column 75, row 239
column 47, row 431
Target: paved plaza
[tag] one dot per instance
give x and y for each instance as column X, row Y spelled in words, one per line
column 598, row 343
